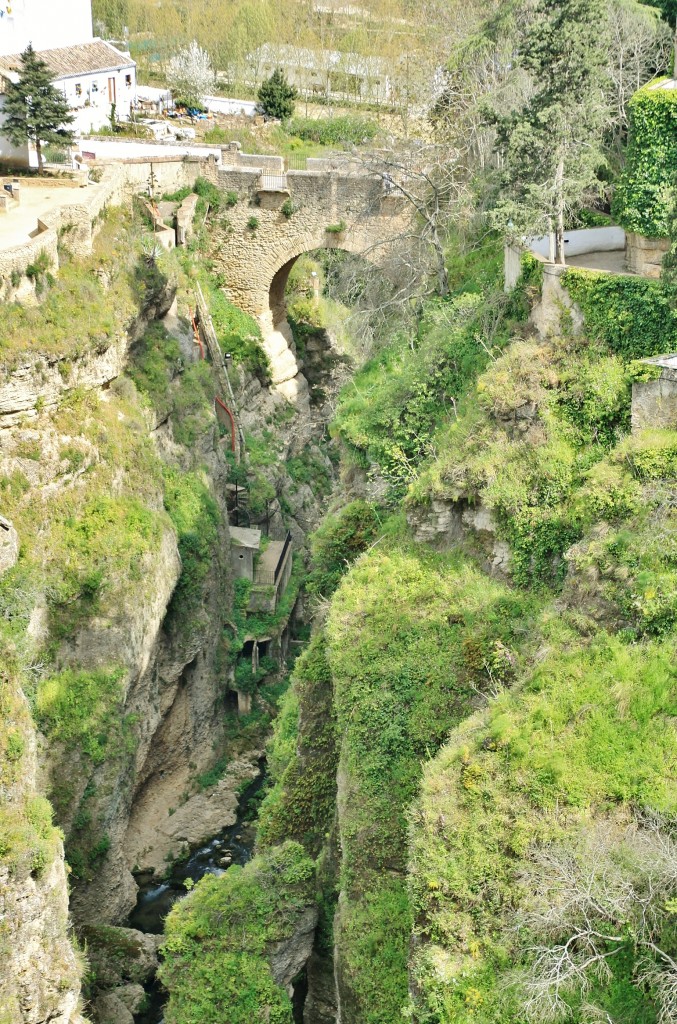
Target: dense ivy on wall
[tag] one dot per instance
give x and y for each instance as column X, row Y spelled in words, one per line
column 645, row 194
column 630, row 314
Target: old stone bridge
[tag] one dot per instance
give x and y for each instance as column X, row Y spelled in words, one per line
column 282, row 213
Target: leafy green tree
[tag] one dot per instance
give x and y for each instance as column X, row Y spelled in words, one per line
column 111, row 15
column 276, row 96
column 668, row 9
column 35, row 111
column 552, row 145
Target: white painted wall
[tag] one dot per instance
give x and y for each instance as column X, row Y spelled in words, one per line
column 19, row 156
column 47, row 24
column 225, row 105
column 578, row 243
column 89, row 97
column 119, row 149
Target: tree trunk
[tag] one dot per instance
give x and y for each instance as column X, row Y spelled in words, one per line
column 442, row 275
column 38, row 153
column 559, row 203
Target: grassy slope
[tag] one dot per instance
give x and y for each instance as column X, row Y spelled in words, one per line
column 407, row 660
column 588, row 734
column 410, row 639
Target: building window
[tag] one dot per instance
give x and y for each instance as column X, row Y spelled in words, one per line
column 128, row 81
column 95, row 86
column 78, row 89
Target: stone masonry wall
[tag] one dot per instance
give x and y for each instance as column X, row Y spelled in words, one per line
column 250, row 258
column 75, row 224
column 645, row 255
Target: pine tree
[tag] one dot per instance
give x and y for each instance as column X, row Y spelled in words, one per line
column 34, row 110
column 552, row 146
column 276, row 96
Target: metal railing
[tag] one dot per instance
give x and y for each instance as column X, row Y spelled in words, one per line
column 296, row 162
column 283, row 555
column 273, row 183
column 212, row 342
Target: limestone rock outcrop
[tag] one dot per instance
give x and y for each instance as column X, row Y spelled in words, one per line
column 41, row 380
column 9, row 545
column 288, row 957
column 39, row 970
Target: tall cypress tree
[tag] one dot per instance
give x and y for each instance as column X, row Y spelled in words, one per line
column 552, row 146
column 34, row 109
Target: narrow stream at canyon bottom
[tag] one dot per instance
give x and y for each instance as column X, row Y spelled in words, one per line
column 157, row 898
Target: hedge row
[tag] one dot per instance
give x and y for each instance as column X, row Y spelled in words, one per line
column 632, row 315
column 644, row 197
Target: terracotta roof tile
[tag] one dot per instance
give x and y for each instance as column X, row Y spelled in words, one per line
column 71, row 61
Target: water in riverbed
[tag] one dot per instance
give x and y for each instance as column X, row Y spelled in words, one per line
column 156, row 899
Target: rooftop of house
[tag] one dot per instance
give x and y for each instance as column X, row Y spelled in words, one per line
column 243, row 537
column 71, row 61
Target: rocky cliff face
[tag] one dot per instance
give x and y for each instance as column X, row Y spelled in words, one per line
column 86, row 462
column 170, row 702
column 39, row 969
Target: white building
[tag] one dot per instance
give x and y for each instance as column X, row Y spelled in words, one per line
column 329, row 73
column 47, row 24
column 93, row 76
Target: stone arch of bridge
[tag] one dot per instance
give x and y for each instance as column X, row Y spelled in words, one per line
column 277, row 306
column 278, row 340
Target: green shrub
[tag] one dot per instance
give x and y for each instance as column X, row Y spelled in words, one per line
column 207, row 191
column 81, row 709
column 287, row 208
column 238, row 333
column 218, row 936
column 196, row 516
column 300, row 804
column 153, row 362
column 397, row 400
column 631, row 315
column 253, row 223
column 644, row 196
column 337, row 542
column 178, row 196
column 333, row 131
column 336, row 229
column 193, row 404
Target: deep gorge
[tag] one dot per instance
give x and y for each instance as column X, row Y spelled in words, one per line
column 364, row 711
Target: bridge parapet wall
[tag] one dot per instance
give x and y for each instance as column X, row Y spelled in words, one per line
column 250, row 257
column 232, row 157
